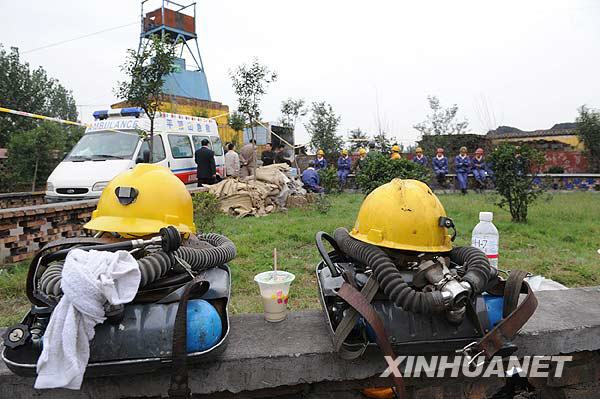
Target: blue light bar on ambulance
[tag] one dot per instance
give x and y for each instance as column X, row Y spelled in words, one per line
column 131, row 111
column 101, row 114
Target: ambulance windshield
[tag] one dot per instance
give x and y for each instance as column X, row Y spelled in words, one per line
column 103, row 145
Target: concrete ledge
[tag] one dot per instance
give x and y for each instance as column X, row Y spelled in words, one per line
column 262, row 357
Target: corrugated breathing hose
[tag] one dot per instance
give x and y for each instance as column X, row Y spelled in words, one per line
column 479, row 273
column 389, row 278
column 157, row 264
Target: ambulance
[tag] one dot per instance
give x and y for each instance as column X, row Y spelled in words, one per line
column 118, row 139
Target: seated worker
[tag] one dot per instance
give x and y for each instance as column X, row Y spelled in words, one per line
column 362, row 156
column 419, row 157
column 311, row 180
column 395, row 152
column 344, row 164
column 479, row 168
column 462, row 163
column 440, row 167
column 321, row 162
column 268, row 155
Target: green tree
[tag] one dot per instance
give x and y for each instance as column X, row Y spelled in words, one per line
column 250, row 85
column 35, row 153
column 236, row 121
column 322, row 127
column 383, row 143
column 515, row 168
column 358, row 139
column 146, row 70
column 32, row 91
column 441, row 120
column 379, row 169
column 291, row 111
column 588, row 130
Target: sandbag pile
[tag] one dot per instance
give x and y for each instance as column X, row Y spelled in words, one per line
column 257, row 197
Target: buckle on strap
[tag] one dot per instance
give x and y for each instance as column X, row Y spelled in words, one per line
column 468, row 352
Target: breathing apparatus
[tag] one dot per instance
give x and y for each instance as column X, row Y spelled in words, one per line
column 148, row 212
column 396, row 281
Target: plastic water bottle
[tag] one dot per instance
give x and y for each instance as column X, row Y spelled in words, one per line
column 485, row 237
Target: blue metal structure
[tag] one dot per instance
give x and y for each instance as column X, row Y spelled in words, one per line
column 177, row 22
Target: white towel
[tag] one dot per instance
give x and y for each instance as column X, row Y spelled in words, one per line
column 89, row 280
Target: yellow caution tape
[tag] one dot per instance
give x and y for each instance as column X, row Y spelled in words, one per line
column 36, row 116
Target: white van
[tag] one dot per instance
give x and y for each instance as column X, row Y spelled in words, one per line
column 113, row 144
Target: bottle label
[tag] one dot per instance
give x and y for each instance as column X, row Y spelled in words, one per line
column 489, row 245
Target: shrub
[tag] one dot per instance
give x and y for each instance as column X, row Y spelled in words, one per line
column 322, row 204
column 329, row 180
column 379, row 169
column 206, row 208
column 515, row 169
column 555, row 169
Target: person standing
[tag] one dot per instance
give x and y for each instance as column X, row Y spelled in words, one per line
column 395, row 152
column 311, row 180
column 440, row 167
column 280, row 155
column 232, row 162
column 372, row 148
column 206, row 169
column 462, row 163
column 344, row 164
column 321, row 162
column 419, row 157
column 479, row 168
column 248, row 159
column 268, row 155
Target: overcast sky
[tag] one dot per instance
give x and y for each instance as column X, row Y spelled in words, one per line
column 529, row 63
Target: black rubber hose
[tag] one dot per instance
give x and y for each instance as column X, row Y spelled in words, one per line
column 479, row 273
column 389, row 278
column 156, row 265
column 223, row 251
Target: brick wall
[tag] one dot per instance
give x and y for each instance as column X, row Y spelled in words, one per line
column 17, row 200
column 25, row 230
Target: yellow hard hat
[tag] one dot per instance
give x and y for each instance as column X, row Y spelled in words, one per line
column 344, row 152
column 403, row 214
column 395, row 149
column 362, row 151
column 141, row 201
column 320, row 152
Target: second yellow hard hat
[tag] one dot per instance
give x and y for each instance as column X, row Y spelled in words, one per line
column 405, row 215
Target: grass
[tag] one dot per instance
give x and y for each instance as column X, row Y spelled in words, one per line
column 559, row 241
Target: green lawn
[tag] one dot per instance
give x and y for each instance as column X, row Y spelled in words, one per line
column 560, row 241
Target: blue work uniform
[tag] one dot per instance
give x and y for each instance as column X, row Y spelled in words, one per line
column 463, row 167
column 421, row 161
column 440, row 168
column 320, row 163
column 344, row 165
column 311, row 180
column 479, row 169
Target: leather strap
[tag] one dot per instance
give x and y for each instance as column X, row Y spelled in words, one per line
column 498, row 340
column 179, row 388
column 349, row 322
column 358, row 301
